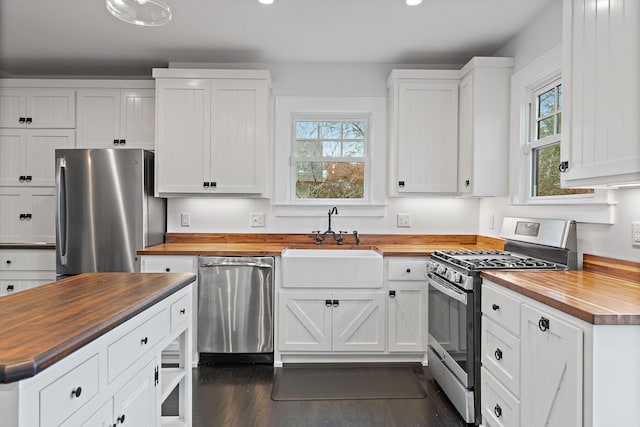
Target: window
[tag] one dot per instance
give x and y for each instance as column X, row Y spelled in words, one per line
column 329, row 157
column 546, row 126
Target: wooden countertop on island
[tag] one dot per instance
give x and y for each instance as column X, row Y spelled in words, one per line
column 41, row 326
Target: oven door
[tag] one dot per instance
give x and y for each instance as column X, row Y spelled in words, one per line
column 451, row 323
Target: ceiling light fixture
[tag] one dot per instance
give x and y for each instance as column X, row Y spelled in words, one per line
column 266, row 1
column 413, row 2
column 148, row 13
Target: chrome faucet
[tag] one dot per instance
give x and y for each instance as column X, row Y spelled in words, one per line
column 337, row 237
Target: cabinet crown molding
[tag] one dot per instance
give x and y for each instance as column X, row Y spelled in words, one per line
column 201, row 73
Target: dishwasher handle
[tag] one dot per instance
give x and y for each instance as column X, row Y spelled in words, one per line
column 236, row 264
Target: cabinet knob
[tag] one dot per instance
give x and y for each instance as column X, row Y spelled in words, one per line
column 123, row 141
column 121, row 419
column 28, row 178
column 408, row 270
column 22, row 119
column 497, row 410
column 183, row 311
column 543, row 324
column 22, row 178
column 336, row 302
column 327, row 302
column 495, row 307
column 144, row 340
column 76, row 392
column 498, row 354
column 29, row 120
column 214, row 184
column 205, row 184
column 115, row 142
column 167, row 269
column 8, row 261
column 392, row 294
column 467, row 183
column 10, row 288
column 400, row 184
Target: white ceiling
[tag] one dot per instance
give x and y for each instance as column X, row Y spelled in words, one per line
column 79, row 37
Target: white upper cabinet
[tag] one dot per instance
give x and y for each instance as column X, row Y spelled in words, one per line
column 483, row 150
column 213, row 131
column 116, row 118
column 37, row 108
column 423, row 113
column 601, row 64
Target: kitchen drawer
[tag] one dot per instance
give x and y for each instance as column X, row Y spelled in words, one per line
column 501, row 308
column 27, row 260
column 175, row 264
column 501, row 355
column 407, row 269
column 499, row 407
column 126, row 350
column 180, row 311
column 69, row 393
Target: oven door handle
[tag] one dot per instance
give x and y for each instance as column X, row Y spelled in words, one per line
column 458, row 296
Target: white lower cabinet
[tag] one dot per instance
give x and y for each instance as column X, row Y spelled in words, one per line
column 407, row 305
column 331, row 321
column 116, row 379
column 22, row 269
column 543, row 367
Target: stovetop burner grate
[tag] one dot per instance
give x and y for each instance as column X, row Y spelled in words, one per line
column 486, row 260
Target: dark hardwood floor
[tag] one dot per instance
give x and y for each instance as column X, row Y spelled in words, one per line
column 240, row 396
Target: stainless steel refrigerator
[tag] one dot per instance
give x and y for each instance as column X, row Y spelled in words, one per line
column 105, row 209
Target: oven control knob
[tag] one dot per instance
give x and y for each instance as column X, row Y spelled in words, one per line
column 441, row 270
column 458, row 278
column 430, row 266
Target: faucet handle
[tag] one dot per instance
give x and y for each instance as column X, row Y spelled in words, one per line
column 343, row 232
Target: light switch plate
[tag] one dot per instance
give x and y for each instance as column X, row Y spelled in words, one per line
column 256, row 219
column 635, row 227
column 404, row 220
column 185, row 219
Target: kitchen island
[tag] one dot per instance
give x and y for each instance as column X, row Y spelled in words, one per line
column 88, row 349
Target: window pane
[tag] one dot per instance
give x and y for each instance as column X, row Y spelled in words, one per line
column 330, row 149
column 329, row 180
column 547, row 174
column 354, row 130
column 559, row 89
column 353, row 149
column 307, row 130
column 308, row 148
column 331, row 130
column 558, row 122
column 545, row 127
column 546, row 103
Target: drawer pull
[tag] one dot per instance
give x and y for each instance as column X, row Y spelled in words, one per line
column 392, row 294
column 498, row 354
column 121, row 419
column 10, row 288
column 327, row 302
column 408, row 270
column 183, row 311
column 543, row 324
column 495, row 307
column 144, row 340
column 497, row 410
column 167, row 269
column 76, row 392
column 336, row 302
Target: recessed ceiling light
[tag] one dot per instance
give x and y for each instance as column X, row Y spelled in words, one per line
column 414, row 2
column 266, row 1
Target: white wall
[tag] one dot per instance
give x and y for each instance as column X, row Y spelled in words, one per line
column 428, row 215
column 614, row 240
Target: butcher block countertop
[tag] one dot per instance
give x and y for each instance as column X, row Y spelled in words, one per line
column 599, row 295
column 41, row 326
column 210, row 244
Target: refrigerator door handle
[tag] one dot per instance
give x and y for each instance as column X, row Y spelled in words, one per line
column 61, row 207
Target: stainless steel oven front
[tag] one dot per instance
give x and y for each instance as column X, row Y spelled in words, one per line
column 453, row 340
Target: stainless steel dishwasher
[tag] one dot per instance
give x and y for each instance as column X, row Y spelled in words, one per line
column 235, row 309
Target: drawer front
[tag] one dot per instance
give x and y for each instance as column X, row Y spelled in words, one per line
column 126, row 350
column 501, row 355
column 180, row 311
column 167, row 264
column 499, row 407
column 27, row 260
column 501, row 308
column 407, row 269
column 70, row 392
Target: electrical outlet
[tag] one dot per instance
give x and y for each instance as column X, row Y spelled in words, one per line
column 256, row 219
column 492, row 220
column 635, row 226
column 404, row 220
column 185, row 219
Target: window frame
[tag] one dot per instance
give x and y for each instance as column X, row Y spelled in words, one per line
column 293, row 159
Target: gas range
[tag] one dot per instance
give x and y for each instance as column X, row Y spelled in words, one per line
column 454, row 312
